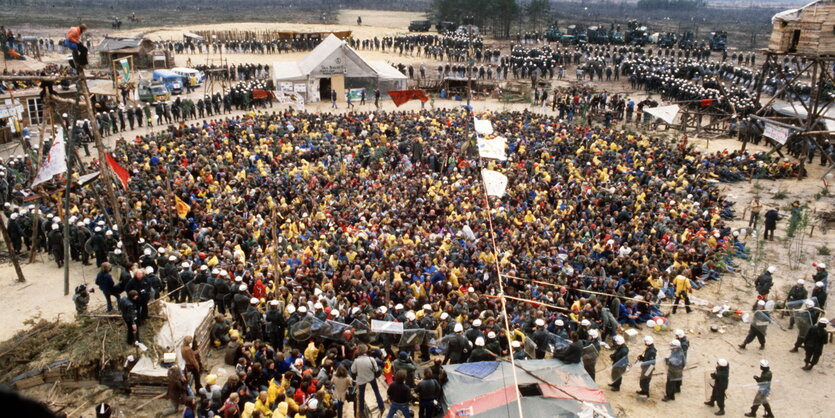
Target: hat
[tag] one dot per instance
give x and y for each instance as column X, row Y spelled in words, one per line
column 215, row 272
column 355, row 310
column 470, row 289
column 679, row 333
column 539, row 322
column 821, row 265
column 116, row 251
column 427, row 307
column 398, row 306
column 801, row 282
column 760, row 303
column 317, row 305
column 291, row 309
column 763, row 363
column 722, row 362
column 585, row 323
column 772, row 269
column 618, row 339
column 515, row 344
column 491, row 334
column 242, row 288
column 172, row 258
column 648, row 340
column 675, row 343
column 98, row 229
column 161, row 250
column 810, row 303
column 444, row 316
column 108, row 232
column 593, row 333
column 54, row 226
column 147, row 250
column 819, row 284
column 204, row 267
column 458, row 327
column 302, row 309
column 479, row 341
column 149, row 270
column 477, row 323
column 211, row 379
column 410, row 316
column 335, row 312
column 253, row 301
column 823, row 321
column 559, row 322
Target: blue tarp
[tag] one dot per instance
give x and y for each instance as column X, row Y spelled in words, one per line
column 479, row 370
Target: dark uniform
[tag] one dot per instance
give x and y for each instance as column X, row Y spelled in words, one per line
column 647, row 360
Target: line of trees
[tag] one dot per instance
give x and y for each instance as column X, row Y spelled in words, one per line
column 672, row 4
column 496, row 16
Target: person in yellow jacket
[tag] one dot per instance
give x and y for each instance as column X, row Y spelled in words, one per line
column 262, row 404
column 683, row 289
column 280, row 410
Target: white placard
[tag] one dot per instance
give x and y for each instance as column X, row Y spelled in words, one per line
column 778, row 133
column 386, row 327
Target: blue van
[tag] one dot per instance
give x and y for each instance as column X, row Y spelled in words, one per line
column 172, row 80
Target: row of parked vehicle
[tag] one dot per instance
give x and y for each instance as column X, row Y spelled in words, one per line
column 165, row 83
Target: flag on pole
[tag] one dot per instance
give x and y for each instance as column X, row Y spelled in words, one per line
column 120, row 171
column 182, row 207
column 494, row 182
column 483, row 126
column 492, row 148
column 55, row 162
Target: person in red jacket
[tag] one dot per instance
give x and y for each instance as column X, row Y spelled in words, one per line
column 73, row 42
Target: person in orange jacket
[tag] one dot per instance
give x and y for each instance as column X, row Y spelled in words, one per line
column 73, row 43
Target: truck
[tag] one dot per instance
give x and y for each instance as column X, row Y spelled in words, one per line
column 718, row 41
column 172, row 81
column 446, row 26
column 153, row 91
column 420, row 26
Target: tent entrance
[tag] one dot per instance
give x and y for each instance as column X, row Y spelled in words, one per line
column 325, row 88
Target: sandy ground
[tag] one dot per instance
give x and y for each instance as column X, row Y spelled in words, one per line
column 795, row 391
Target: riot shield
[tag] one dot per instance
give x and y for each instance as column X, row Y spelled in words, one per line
column 590, row 354
column 530, row 348
column 557, row 343
column 301, row 330
column 205, row 292
column 760, row 321
column 442, row 344
column 675, row 365
column 645, row 368
column 619, row 368
column 764, row 392
column 709, row 383
column 411, row 337
column 335, row 331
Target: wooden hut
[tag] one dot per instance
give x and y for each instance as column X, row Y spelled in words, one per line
column 809, row 30
column 111, row 48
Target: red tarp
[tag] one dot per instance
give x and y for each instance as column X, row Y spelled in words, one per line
column 706, row 102
column 402, row 96
column 260, row 94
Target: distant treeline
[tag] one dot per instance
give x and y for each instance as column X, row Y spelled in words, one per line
column 671, row 4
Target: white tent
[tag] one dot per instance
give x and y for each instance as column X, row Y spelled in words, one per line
column 334, row 65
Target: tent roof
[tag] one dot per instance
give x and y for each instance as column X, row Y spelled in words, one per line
column 109, row 44
column 794, row 14
column 566, row 389
column 333, row 51
column 798, row 111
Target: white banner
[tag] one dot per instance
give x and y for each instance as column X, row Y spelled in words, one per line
column 492, row 148
column 665, row 113
column 468, row 232
column 483, row 126
column 386, row 327
column 55, row 162
column 778, row 133
column 494, row 182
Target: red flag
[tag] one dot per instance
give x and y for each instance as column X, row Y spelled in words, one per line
column 706, row 102
column 260, row 94
column 402, row 96
column 120, row 171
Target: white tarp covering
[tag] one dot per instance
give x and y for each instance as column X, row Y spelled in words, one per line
column 483, row 126
column 55, row 162
column 665, row 113
column 494, row 182
column 798, row 111
column 791, row 14
column 182, row 320
column 492, row 148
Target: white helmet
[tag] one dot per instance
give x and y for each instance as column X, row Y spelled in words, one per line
column 772, row 269
column 539, row 322
column 675, row 343
column 593, row 333
column 679, row 333
column 801, row 282
column 559, row 322
column 618, row 339
column 253, row 301
column 821, row 266
column 722, row 362
column 242, row 288
column 317, row 305
column 382, row 309
column 458, row 327
column 810, row 303
column 823, row 321
column 763, row 363
column 515, row 344
column 410, row 316
column 648, row 340
column 491, row 335
column 477, row 323
column 291, row 309
column 585, row 323
column 479, row 341
column 302, row 309
column 335, row 312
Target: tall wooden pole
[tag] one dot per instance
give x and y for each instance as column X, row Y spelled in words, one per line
column 68, row 147
column 12, row 252
column 105, row 172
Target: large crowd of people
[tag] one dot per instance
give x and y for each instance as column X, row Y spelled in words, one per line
column 294, row 219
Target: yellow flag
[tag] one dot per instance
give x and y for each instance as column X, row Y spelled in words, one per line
column 182, row 207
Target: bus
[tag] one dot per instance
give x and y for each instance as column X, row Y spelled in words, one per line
column 172, row 80
column 194, row 77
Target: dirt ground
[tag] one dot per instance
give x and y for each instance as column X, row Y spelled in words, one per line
column 796, row 392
